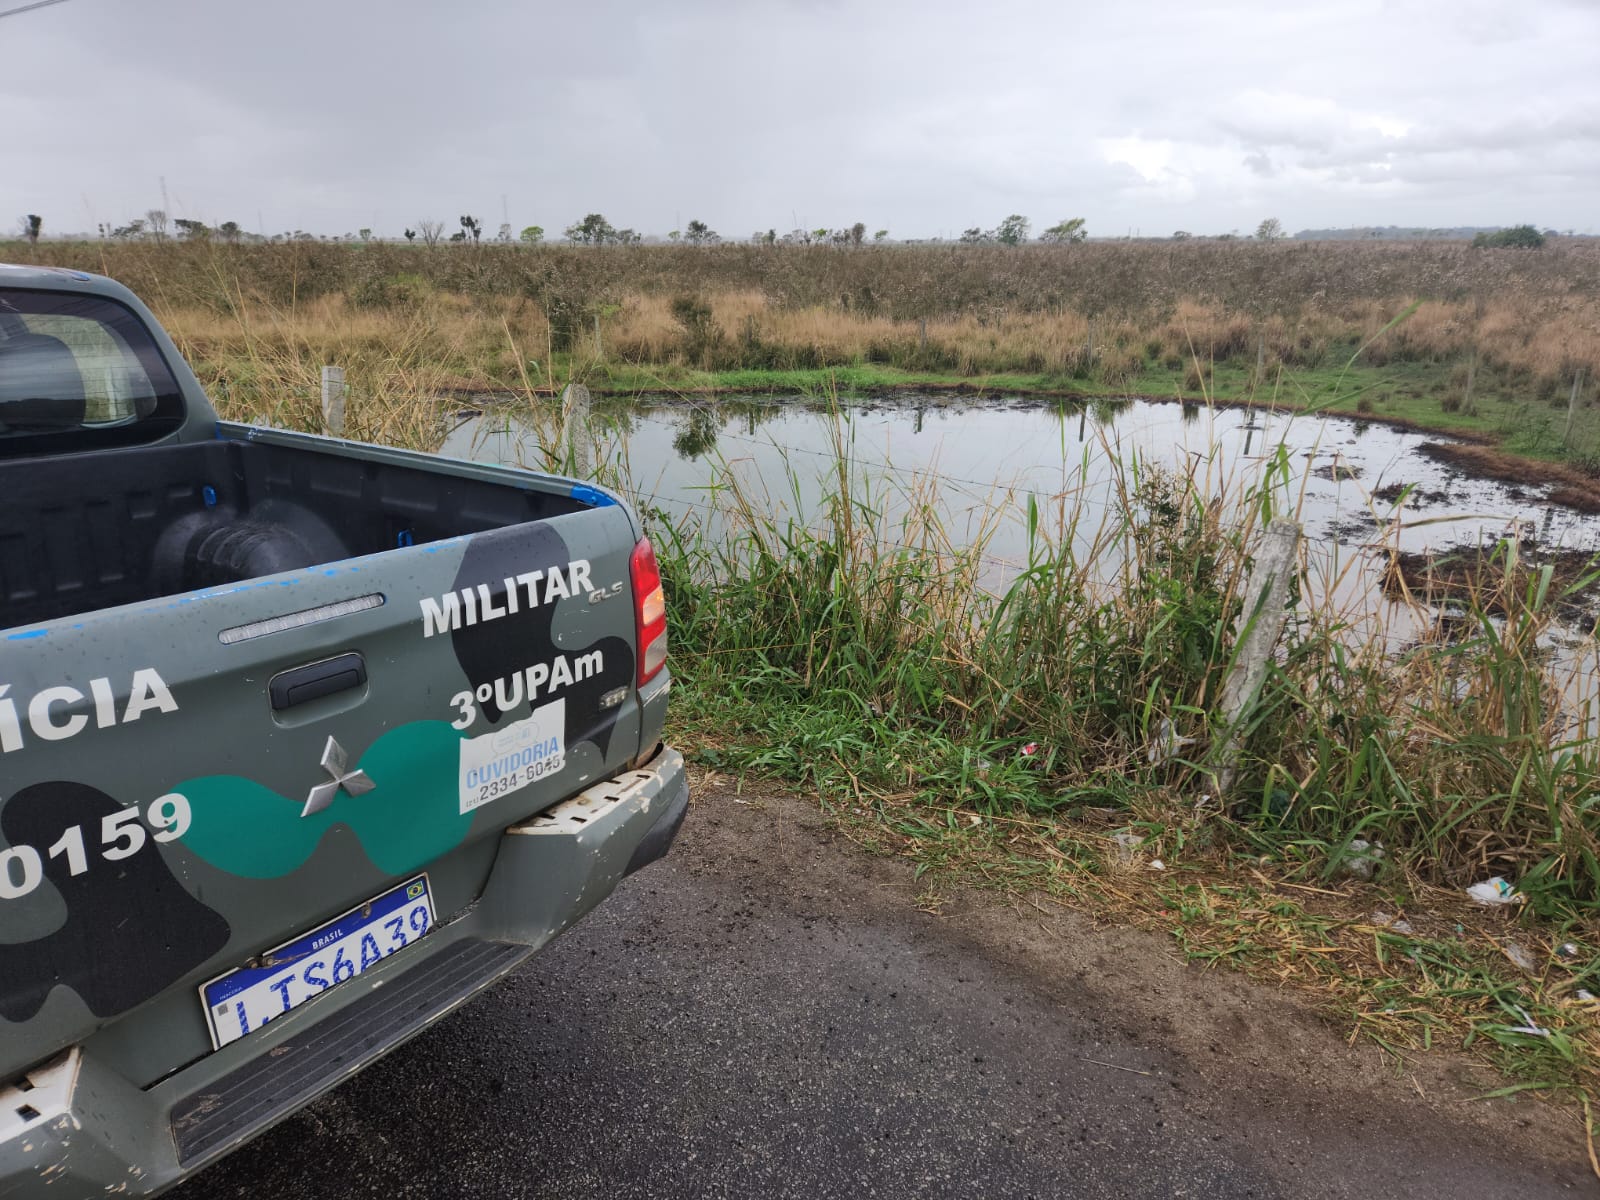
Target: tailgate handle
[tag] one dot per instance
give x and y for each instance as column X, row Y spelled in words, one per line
column 316, row 680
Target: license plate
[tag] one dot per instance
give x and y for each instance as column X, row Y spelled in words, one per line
column 242, row 1001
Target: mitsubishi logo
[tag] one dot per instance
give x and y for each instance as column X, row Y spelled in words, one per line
column 336, row 764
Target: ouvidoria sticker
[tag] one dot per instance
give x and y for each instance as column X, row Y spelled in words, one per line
column 506, row 760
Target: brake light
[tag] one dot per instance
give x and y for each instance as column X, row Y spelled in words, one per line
column 649, row 611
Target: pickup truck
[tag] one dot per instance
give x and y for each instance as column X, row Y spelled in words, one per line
column 302, row 743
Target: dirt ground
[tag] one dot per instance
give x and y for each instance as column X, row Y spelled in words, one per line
column 1255, row 1047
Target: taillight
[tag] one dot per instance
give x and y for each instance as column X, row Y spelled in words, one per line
column 649, row 611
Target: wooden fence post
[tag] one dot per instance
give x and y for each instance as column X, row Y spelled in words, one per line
column 333, row 396
column 1266, row 600
column 575, row 440
column 1572, row 407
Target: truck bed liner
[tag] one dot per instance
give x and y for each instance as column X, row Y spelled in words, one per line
column 80, row 532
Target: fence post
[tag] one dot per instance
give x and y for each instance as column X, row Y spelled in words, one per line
column 1572, row 407
column 333, row 394
column 575, row 439
column 1266, row 600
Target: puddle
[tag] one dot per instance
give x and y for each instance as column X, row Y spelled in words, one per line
column 1347, row 476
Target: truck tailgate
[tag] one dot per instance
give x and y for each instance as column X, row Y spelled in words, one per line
column 323, row 734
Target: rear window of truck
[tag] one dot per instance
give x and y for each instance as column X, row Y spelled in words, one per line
column 79, row 372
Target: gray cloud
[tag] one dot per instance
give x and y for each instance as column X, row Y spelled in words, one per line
column 923, row 117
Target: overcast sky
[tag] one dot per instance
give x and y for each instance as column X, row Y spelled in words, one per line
column 923, row 117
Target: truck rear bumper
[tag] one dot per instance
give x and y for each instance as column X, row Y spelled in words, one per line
column 74, row 1127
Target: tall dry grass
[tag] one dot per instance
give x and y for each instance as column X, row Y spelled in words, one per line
column 1532, row 314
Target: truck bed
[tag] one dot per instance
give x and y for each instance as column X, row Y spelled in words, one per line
column 80, row 533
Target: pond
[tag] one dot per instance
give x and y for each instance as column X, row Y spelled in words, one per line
column 1344, row 479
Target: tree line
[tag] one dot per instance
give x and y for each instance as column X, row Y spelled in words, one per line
column 595, row 230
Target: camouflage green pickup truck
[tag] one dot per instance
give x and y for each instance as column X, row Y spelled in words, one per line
column 302, row 744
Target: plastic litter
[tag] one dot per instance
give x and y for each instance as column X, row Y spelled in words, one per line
column 1494, row 893
column 1362, row 858
column 1567, row 951
column 1127, row 844
column 1157, row 865
column 1030, row 750
column 1398, row 924
column 1519, row 955
column 1527, row 1026
column 1167, row 743
column 1585, row 995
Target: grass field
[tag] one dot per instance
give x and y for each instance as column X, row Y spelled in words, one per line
column 1489, row 342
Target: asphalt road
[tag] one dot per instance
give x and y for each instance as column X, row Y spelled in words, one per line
column 767, row 1014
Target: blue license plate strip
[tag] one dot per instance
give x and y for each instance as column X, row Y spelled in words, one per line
column 242, row 1001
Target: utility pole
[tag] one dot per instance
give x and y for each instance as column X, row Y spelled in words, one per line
column 11, row 12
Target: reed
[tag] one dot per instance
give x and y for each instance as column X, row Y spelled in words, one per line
column 864, row 643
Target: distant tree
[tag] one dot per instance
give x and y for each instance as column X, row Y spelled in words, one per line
column 133, row 229
column 1067, row 231
column 858, row 234
column 532, row 234
column 411, row 234
column 975, row 236
column 674, row 236
column 229, row 231
column 880, row 235
column 1270, row 230
column 156, row 222
column 1181, row 235
column 31, row 224
column 630, row 237
column 1524, row 237
column 1013, row 231
column 459, row 235
column 698, row 233
column 593, row 230
column 364, row 234
column 840, row 237
column 819, row 235
column 192, row 231
column 470, row 225
column 432, row 231
column 771, row 237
